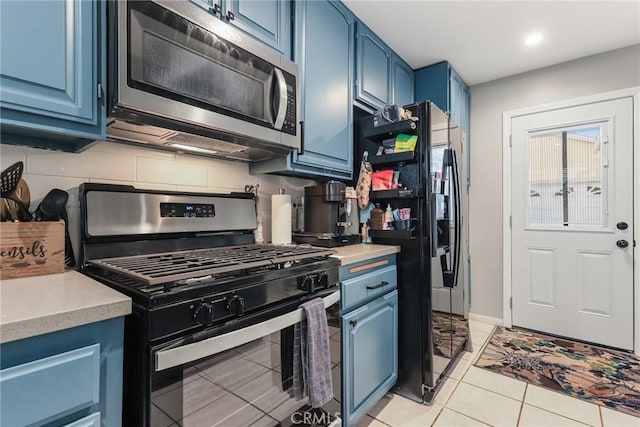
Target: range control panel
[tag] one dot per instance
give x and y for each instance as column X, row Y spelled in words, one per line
column 187, row 210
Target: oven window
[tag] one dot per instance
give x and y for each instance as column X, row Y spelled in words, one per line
column 244, row 386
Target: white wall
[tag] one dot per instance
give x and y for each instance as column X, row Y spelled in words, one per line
column 144, row 168
column 600, row 73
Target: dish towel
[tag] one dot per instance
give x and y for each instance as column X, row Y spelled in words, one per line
column 311, row 356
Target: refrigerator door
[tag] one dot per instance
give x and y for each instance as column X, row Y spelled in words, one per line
column 449, row 325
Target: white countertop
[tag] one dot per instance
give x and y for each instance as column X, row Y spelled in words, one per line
column 42, row 304
column 351, row 254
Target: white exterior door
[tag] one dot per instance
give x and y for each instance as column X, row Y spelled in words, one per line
column 572, row 222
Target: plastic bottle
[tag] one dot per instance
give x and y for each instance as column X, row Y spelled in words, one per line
column 388, row 218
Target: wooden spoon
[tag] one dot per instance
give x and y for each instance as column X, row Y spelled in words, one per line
column 9, row 209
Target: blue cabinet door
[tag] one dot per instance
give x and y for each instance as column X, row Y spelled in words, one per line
column 402, row 78
column 324, row 52
column 459, row 101
column 440, row 84
column 267, row 20
column 52, row 69
column 373, row 68
column 78, row 372
column 369, row 355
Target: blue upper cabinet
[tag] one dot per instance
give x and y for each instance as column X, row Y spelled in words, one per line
column 373, row 68
column 382, row 77
column 403, row 82
column 268, row 21
column 52, row 73
column 441, row 84
column 324, row 52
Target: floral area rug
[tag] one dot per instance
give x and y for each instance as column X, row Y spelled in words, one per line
column 598, row 375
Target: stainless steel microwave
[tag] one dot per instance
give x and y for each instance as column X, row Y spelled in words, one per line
column 184, row 80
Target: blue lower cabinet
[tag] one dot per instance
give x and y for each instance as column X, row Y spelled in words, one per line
column 370, row 355
column 369, row 332
column 67, row 378
column 52, row 73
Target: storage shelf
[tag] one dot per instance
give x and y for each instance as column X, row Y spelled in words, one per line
column 383, row 132
column 405, row 156
column 393, row 234
column 396, row 193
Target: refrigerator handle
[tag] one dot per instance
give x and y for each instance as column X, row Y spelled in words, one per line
column 458, row 218
column 434, row 225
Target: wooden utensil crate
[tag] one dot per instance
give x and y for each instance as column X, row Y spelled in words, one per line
column 31, row 249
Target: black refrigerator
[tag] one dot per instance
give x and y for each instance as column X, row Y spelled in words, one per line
column 433, row 299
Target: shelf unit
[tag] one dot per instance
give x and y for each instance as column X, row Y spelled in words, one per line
column 393, row 234
column 385, row 159
column 396, row 193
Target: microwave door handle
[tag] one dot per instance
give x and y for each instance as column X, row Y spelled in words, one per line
column 281, row 96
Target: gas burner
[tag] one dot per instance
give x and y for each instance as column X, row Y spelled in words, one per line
column 197, row 265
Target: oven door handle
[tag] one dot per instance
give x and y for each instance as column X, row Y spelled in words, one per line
column 169, row 358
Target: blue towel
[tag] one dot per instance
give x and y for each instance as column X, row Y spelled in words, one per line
column 312, row 356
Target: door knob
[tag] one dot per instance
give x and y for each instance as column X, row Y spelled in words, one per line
column 622, row 243
column 622, row 225
column 353, row 323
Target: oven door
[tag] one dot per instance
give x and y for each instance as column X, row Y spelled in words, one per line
column 242, row 376
column 200, row 69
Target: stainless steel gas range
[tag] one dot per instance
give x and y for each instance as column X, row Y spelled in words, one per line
column 209, row 341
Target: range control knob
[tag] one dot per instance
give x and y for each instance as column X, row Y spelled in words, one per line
column 323, row 280
column 235, row 305
column 203, row 314
column 307, row 283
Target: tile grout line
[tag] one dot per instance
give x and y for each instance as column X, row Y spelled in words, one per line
column 601, row 416
column 524, row 396
column 468, row 416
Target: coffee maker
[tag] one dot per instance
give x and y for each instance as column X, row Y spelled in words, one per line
column 330, row 217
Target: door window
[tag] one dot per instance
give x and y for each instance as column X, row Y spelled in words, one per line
column 568, row 177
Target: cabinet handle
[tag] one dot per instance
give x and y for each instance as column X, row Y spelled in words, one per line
column 381, row 285
column 230, row 16
column 217, row 10
column 301, row 150
column 353, row 323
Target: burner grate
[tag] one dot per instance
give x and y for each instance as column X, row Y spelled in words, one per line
column 165, row 267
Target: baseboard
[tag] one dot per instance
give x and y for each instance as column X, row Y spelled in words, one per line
column 485, row 319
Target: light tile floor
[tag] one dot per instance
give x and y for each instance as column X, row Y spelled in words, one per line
column 472, row 396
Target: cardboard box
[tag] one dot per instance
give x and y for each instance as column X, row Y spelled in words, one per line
column 31, row 249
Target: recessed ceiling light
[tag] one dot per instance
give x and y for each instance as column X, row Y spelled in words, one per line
column 533, row 39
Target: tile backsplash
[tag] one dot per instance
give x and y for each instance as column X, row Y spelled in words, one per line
column 144, row 168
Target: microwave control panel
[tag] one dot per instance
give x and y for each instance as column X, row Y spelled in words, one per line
column 289, row 125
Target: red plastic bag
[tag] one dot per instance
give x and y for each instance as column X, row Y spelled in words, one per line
column 382, row 180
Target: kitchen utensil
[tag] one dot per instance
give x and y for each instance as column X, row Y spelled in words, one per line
column 53, row 208
column 10, row 178
column 9, row 210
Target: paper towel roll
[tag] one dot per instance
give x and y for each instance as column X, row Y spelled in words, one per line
column 281, row 219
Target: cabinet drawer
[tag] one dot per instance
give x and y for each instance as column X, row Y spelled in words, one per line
column 49, row 388
column 361, row 289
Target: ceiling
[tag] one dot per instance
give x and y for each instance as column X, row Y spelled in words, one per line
column 484, row 40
